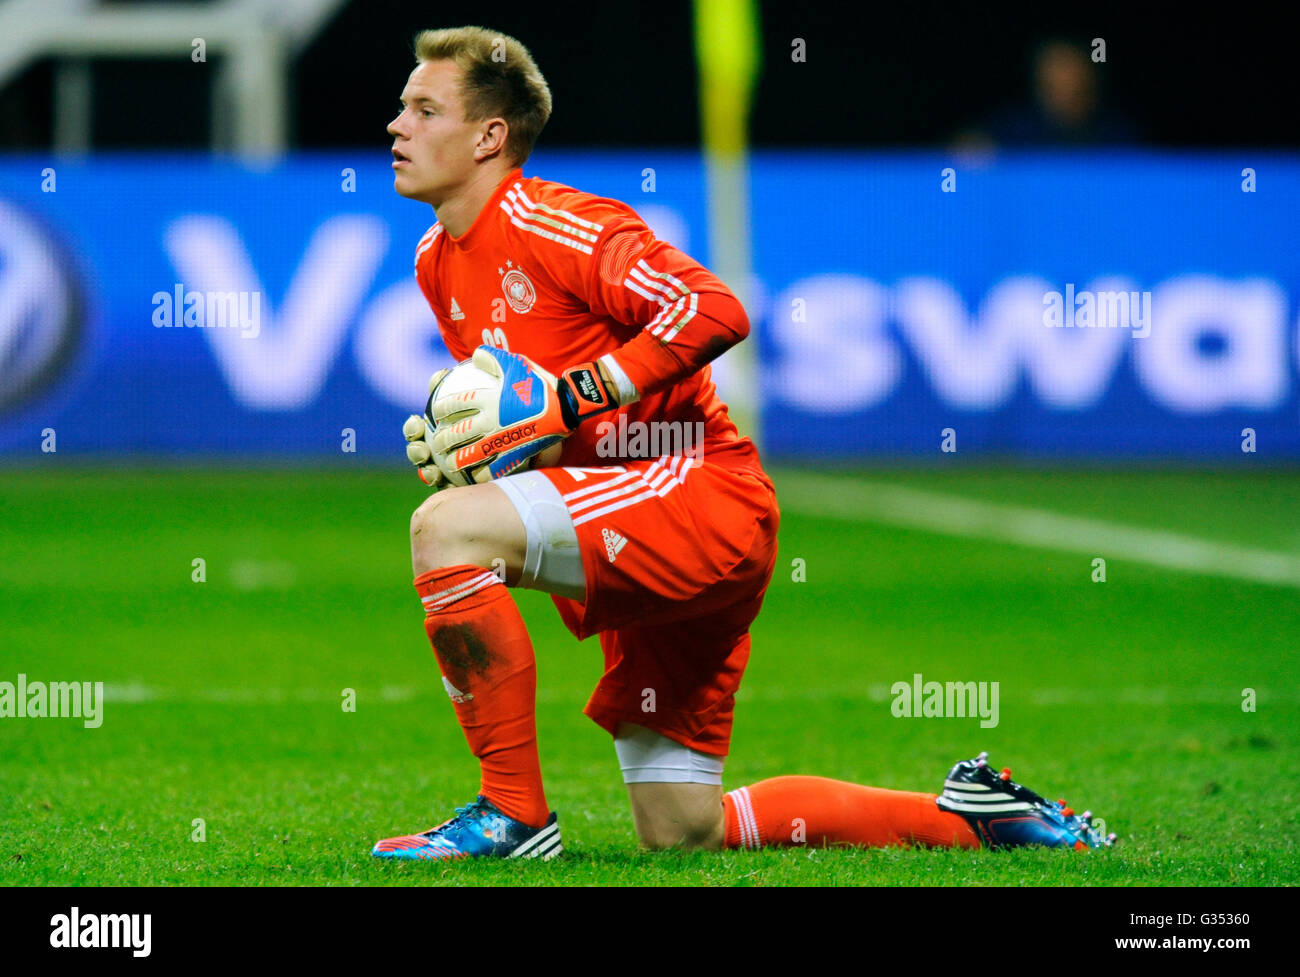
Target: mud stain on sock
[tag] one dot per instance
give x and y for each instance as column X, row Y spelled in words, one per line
column 460, row 648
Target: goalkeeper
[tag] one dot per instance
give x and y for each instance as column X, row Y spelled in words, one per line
column 582, row 314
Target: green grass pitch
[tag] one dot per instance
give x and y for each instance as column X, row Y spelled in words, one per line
column 225, row 697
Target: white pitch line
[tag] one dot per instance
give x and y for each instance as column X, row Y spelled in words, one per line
column 952, row 515
column 1154, row 695
column 136, row 693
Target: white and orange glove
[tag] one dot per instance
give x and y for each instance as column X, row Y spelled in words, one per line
column 419, row 450
column 532, row 411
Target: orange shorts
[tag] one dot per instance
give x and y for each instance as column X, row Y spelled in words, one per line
column 677, row 554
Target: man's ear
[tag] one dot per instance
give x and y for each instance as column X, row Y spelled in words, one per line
column 492, row 142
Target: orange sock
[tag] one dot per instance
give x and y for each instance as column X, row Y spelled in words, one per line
column 488, row 668
column 818, row 811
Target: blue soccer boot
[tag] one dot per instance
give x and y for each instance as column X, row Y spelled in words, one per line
column 478, row 830
column 1006, row 815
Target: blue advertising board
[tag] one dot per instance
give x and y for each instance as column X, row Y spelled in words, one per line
column 1127, row 306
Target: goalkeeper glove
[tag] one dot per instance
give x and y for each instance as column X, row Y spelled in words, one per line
column 533, row 411
column 419, row 451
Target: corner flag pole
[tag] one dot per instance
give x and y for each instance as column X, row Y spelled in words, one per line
column 729, row 57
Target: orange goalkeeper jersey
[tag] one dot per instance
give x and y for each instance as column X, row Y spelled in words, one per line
column 565, row 277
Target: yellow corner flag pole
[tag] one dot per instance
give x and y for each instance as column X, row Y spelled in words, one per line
column 729, row 57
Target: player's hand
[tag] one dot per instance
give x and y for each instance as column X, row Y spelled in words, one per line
column 418, row 449
column 533, row 411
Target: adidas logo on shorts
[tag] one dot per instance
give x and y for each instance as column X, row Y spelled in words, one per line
column 614, row 543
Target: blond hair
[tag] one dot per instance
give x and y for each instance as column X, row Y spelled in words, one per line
column 500, row 79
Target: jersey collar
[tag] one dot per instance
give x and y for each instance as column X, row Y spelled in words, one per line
column 486, row 216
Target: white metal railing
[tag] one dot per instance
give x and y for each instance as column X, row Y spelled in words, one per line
column 256, row 41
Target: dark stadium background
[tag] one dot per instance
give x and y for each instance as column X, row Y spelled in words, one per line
column 623, row 74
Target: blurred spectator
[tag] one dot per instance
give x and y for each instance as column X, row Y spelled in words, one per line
column 1066, row 108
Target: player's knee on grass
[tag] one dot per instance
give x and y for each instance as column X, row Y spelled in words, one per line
column 677, row 815
column 474, row 525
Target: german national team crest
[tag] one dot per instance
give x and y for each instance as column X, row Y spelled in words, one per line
column 519, row 290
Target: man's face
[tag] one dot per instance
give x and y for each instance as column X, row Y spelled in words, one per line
column 433, row 145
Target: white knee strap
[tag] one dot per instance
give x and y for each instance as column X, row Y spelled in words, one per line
column 647, row 757
column 553, row 562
